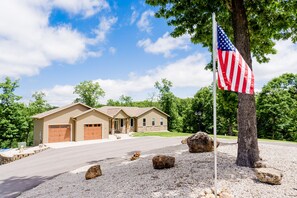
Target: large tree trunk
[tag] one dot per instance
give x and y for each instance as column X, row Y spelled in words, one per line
column 248, row 151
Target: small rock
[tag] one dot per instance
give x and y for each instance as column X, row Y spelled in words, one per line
column 201, row 142
column 163, row 161
column 261, row 164
column 184, row 141
column 225, row 194
column 210, row 196
column 93, row 171
column 269, row 175
column 208, row 191
column 135, row 156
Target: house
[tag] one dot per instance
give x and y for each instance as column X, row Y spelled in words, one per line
column 77, row 122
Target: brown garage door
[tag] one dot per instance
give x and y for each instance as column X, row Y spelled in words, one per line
column 59, row 133
column 92, row 131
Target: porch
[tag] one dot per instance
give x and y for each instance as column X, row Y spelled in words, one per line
column 121, row 125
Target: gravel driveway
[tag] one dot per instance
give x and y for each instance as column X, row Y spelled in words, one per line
column 192, row 173
column 24, row 174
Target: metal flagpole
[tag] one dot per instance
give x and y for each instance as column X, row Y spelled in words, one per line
column 214, row 57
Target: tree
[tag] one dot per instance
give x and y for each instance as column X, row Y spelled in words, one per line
column 227, row 103
column 89, row 93
column 255, row 26
column 13, row 119
column 202, row 103
column 38, row 105
column 276, row 108
column 126, row 100
column 168, row 104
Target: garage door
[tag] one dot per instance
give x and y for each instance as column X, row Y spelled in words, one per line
column 92, row 131
column 59, row 133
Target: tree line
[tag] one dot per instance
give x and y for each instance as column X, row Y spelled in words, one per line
column 276, row 109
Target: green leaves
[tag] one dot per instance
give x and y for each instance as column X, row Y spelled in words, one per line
column 89, row 93
column 267, row 21
column 276, row 108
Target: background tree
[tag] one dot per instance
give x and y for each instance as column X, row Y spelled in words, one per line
column 38, row 105
column 89, row 93
column 13, row 122
column 276, row 108
column 203, row 103
column 227, row 103
column 126, row 101
column 168, row 104
column 255, row 26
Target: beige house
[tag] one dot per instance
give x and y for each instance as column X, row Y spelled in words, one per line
column 77, row 122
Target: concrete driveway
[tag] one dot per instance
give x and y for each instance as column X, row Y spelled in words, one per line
column 24, row 174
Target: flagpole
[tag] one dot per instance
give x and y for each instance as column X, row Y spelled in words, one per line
column 214, row 57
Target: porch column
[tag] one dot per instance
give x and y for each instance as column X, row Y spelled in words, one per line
column 127, row 125
column 112, row 126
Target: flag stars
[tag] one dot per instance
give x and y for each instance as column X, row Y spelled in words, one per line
column 223, row 41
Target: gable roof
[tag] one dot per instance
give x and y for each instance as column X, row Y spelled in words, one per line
column 90, row 110
column 130, row 111
column 50, row 112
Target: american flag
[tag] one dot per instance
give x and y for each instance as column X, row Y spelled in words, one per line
column 234, row 74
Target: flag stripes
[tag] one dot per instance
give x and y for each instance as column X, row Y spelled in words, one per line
column 234, row 74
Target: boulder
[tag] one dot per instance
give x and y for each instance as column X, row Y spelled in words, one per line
column 200, row 142
column 269, row 175
column 135, row 156
column 163, row 161
column 93, row 171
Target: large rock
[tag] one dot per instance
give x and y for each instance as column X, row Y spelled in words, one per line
column 269, row 175
column 93, row 171
column 163, row 161
column 201, row 142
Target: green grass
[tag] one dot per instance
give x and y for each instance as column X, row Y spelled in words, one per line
column 175, row 134
column 178, row 134
column 161, row 134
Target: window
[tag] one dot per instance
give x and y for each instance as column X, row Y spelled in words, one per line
column 131, row 122
column 153, row 121
column 144, row 122
column 122, row 122
column 161, row 121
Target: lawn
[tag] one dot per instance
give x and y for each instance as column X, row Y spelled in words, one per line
column 178, row 134
column 175, row 134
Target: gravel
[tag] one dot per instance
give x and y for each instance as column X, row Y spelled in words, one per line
column 191, row 174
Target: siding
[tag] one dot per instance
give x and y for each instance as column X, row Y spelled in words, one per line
column 38, row 130
column 149, row 116
column 62, row 117
column 92, row 117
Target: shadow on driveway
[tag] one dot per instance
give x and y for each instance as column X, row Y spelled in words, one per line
column 13, row 186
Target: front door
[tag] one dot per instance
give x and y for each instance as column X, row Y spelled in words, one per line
column 116, row 125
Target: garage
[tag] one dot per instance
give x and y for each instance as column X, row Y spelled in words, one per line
column 59, row 133
column 92, row 131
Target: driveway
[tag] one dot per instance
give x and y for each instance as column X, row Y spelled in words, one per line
column 24, row 174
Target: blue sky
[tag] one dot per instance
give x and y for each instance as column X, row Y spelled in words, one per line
column 52, row 45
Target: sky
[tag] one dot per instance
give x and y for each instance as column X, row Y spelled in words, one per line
column 53, row 45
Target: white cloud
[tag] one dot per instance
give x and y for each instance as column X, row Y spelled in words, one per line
column 102, row 29
column 144, row 23
column 28, row 43
column 60, row 95
column 86, row 8
column 187, row 72
column 284, row 61
column 165, row 44
column 112, row 50
column 133, row 16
